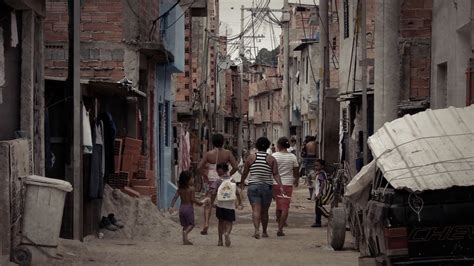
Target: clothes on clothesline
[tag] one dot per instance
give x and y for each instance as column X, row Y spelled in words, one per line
column 185, row 161
column 110, row 132
column 96, row 184
column 86, row 131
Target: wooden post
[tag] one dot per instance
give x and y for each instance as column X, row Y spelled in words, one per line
column 27, row 79
column 39, row 110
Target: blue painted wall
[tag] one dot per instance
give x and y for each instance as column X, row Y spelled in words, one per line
column 172, row 34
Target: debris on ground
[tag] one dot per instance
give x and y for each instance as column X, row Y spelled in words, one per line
column 140, row 217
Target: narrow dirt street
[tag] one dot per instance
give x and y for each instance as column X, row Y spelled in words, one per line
column 302, row 245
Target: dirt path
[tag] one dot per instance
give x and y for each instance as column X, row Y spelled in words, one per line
column 301, row 246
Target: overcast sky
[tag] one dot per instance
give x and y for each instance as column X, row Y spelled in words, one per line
column 230, row 20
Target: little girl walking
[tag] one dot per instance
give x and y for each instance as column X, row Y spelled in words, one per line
column 227, row 194
column 186, row 211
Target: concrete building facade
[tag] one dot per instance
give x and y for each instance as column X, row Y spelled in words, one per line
column 452, row 53
column 128, row 52
column 22, row 105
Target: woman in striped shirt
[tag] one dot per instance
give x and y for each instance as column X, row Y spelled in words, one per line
column 263, row 168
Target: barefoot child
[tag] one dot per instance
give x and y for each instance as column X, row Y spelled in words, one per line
column 227, row 193
column 186, row 210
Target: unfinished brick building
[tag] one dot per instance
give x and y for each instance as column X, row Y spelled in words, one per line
column 122, row 43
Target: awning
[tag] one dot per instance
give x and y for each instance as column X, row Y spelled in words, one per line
column 103, row 88
column 430, row 150
column 304, row 44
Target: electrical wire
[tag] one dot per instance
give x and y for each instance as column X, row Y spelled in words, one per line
column 326, row 29
column 354, row 45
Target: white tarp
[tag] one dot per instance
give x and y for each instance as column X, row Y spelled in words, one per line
column 427, row 151
column 356, row 189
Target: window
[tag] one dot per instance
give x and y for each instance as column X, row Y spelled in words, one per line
column 186, row 98
column 307, row 67
column 442, row 85
column 346, row 18
column 268, row 103
column 470, row 84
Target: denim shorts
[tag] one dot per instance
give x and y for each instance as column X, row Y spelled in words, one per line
column 260, row 194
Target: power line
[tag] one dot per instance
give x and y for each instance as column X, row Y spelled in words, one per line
column 326, row 29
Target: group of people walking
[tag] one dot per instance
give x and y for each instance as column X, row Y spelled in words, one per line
column 270, row 177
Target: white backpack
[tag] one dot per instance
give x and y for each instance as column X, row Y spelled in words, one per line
column 227, row 191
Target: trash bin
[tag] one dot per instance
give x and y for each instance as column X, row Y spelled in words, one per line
column 42, row 214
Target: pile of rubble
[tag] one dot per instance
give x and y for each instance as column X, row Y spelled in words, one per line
column 140, row 217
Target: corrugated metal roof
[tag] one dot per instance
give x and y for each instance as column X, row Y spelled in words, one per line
column 427, row 151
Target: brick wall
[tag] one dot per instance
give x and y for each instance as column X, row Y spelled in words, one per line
column 183, row 81
column 415, row 48
column 106, row 27
column 101, row 21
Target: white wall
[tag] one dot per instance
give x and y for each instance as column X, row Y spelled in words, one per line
column 451, row 46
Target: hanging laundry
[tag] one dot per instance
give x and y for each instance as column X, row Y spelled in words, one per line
column 186, row 148
column 96, row 184
column 110, row 132
column 14, row 30
column 86, row 131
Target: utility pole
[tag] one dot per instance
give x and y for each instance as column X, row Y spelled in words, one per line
column 363, row 64
column 286, row 70
column 74, row 165
column 240, row 141
column 323, row 15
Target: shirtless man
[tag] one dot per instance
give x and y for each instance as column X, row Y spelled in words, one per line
column 207, row 167
column 309, row 163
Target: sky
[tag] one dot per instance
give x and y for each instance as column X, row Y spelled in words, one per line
column 230, row 22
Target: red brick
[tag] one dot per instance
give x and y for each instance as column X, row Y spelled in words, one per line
column 131, row 192
column 60, row 63
column 90, row 7
column 145, row 190
column 412, row 4
column 428, row 3
column 142, row 182
column 87, row 73
column 98, row 17
column 102, row 73
column 427, row 23
column 110, row 7
column 109, row 64
column 410, row 23
column 114, row 17
column 424, row 13
column 417, row 82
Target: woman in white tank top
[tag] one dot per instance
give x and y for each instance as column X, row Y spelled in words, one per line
column 288, row 170
column 207, row 167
